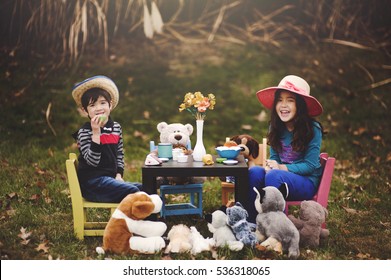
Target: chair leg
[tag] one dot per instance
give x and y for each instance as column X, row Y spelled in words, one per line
column 200, row 202
column 78, row 223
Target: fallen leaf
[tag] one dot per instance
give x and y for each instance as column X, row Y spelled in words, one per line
column 247, row 127
column 354, row 175
column 41, row 184
column 350, row 210
column 377, row 138
column 12, row 195
column 363, row 256
column 34, row 197
column 42, row 247
column 11, row 212
column 24, row 235
column 50, row 152
column 359, row 131
column 25, row 242
column 261, row 248
column 262, row 116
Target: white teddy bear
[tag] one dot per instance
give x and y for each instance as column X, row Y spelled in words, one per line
column 179, row 136
column 176, row 133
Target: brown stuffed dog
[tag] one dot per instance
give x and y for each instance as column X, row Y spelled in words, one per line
column 127, row 232
column 251, row 149
column 309, row 223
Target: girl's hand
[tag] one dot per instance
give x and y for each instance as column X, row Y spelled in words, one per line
column 272, row 164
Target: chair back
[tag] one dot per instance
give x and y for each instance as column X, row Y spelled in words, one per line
column 261, row 159
column 325, row 183
column 74, row 186
column 322, row 195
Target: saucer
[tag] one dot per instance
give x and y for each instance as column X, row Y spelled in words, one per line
column 230, row 162
column 164, row 159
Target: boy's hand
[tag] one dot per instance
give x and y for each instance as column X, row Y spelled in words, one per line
column 119, row 177
column 96, row 124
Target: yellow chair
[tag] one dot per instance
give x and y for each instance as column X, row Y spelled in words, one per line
column 228, row 188
column 81, row 226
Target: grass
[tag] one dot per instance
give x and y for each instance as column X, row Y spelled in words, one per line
column 34, row 194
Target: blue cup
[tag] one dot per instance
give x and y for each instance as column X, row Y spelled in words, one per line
column 164, row 150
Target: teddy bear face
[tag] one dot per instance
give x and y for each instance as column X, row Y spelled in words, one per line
column 236, row 213
column 175, row 133
column 312, row 212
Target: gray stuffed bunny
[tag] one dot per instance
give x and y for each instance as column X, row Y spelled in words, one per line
column 273, row 226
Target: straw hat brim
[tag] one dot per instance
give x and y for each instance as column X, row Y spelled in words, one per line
column 102, row 82
column 266, row 97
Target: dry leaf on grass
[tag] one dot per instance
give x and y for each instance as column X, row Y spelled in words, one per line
column 350, row 210
column 24, row 235
column 43, row 247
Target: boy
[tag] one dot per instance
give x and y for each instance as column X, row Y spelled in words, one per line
column 101, row 159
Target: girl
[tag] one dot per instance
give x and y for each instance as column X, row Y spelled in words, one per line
column 294, row 138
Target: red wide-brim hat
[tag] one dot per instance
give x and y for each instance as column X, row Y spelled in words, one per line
column 296, row 85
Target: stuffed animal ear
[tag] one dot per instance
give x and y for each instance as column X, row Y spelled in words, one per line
column 189, row 128
column 284, row 190
column 142, row 209
column 236, row 139
column 161, row 126
column 253, row 146
column 261, row 192
column 208, row 218
column 223, row 208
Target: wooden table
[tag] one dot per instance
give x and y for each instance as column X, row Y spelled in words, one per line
column 197, row 169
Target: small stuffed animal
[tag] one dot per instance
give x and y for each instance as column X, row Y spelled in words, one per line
column 237, row 220
column 127, row 221
column 199, row 243
column 222, row 233
column 180, row 239
column 272, row 223
column 250, row 149
column 309, row 223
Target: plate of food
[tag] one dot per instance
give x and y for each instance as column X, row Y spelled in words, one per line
column 230, row 162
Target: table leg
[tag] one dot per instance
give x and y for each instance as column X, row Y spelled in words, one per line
column 241, row 190
column 149, row 183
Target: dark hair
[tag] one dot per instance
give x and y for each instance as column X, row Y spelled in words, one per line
column 302, row 130
column 91, row 95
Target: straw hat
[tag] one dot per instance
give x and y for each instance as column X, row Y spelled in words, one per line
column 102, row 82
column 296, row 85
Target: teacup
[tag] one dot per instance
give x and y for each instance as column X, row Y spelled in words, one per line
column 176, row 152
column 182, row 158
column 164, row 150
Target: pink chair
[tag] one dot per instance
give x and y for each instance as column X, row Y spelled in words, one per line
column 322, row 195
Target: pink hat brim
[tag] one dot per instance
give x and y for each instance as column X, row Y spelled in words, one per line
column 266, row 97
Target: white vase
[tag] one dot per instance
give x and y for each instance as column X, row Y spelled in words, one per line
column 199, row 149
